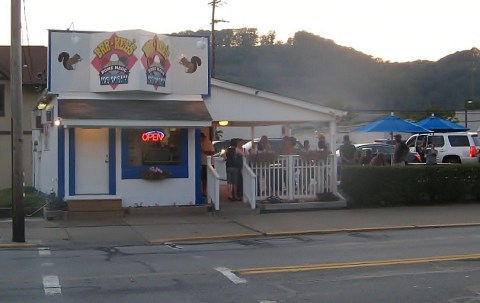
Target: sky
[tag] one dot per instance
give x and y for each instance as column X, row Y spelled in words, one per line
column 393, row 30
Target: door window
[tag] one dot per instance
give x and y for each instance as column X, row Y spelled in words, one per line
column 412, row 141
column 437, row 140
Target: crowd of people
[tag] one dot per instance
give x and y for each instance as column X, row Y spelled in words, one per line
column 235, row 153
column 348, row 155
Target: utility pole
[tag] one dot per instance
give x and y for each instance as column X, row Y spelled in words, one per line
column 18, row 212
column 214, row 4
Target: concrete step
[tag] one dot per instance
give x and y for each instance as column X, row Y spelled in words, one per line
column 94, row 205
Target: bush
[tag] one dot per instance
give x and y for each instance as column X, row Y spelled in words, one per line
column 32, row 198
column 365, row 186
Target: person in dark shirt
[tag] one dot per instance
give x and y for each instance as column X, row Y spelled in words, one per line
column 322, row 143
column 400, row 151
column 234, row 162
column 347, row 151
column 367, row 157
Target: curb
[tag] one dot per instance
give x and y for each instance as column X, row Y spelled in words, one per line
column 369, row 229
column 310, row 232
column 213, row 237
column 17, row 245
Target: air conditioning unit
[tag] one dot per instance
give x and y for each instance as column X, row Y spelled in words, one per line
column 47, row 116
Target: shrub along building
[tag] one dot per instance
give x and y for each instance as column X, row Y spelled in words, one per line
column 122, row 116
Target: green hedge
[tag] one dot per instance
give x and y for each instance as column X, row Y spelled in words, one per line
column 32, row 198
column 366, row 186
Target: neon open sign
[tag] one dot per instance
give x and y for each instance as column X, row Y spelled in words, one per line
column 153, row 135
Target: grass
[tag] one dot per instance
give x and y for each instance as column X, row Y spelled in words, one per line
column 32, row 198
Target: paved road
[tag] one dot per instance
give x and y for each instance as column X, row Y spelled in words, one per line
column 426, row 265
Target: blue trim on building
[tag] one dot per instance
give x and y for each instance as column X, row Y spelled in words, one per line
column 71, row 161
column 134, row 172
column 198, row 168
column 112, row 178
column 61, row 162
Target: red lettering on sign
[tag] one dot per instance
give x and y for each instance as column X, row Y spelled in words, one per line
column 153, row 136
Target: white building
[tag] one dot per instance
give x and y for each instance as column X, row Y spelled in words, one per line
column 128, row 106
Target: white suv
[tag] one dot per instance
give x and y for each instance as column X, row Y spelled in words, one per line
column 451, row 147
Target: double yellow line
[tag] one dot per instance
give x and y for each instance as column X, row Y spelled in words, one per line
column 312, row 267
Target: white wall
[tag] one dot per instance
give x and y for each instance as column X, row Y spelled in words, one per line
column 273, row 131
column 45, row 158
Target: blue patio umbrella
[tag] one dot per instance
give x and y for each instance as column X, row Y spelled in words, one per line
column 392, row 124
column 440, row 125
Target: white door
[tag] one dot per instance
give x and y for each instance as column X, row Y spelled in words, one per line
column 91, row 161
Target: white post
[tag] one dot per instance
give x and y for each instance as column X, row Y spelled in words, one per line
column 333, row 138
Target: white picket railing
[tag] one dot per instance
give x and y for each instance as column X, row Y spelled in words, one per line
column 289, row 178
column 213, row 185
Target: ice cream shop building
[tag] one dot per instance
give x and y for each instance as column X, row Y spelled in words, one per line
column 122, row 116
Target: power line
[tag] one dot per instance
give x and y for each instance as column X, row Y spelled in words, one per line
column 27, row 56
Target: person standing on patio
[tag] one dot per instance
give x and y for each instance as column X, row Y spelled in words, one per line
column 306, row 145
column 322, row 143
column 400, row 151
column 378, row 160
column 263, row 146
column 288, row 146
column 347, row 154
column 234, row 162
column 431, row 154
column 347, row 151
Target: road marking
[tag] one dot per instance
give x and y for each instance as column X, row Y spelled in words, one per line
column 230, row 275
column 51, row 285
column 44, row 251
column 312, row 267
column 172, row 245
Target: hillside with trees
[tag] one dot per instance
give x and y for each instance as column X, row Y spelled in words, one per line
column 314, row 69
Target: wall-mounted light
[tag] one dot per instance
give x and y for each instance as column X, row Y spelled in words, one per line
column 41, row 105
column 223, row 123
column 75, row 38
column 57, row 122
column 201, row 44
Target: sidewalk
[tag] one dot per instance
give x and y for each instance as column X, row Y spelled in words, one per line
column 234, row 221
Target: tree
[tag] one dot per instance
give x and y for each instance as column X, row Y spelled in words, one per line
column 268, row 39
column 224, row 38
column 245, row 37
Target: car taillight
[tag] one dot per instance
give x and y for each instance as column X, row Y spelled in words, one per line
column 473, row 151
column 418, row 158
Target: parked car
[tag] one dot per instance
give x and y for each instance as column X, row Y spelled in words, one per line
column 387, row 150
column 220, row 147
column 476, row 140
column 458, row 147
